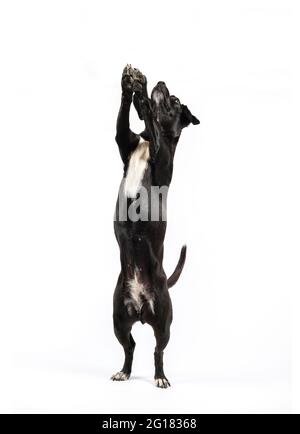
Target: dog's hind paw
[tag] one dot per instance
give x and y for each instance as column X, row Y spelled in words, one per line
column 120, row 376
column 163, row 383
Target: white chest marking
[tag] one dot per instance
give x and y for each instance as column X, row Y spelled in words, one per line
column 137, row 165
column 139, row 294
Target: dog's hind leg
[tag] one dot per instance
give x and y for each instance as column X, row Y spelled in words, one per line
column 126, row 340
column 162, row 338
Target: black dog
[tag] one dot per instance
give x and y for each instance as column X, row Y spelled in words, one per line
column 142, row 291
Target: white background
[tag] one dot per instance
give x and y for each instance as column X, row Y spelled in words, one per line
column 233, row 200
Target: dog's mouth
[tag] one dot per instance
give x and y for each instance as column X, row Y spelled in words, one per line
column 160, row 99
column 160, row 93
column 157, row 96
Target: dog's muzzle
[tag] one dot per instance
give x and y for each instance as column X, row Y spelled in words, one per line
column 157, row 97
column 160, row 100
column 160, row 93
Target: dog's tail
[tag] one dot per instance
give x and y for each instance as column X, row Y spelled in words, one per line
column 179, row 267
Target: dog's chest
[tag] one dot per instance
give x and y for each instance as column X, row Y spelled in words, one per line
column 137, row 166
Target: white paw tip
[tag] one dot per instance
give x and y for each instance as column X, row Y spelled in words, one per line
column 163, row 383
column 119, row 376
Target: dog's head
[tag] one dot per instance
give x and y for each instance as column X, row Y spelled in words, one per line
column 171, row 115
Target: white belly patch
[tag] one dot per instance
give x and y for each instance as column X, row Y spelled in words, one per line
column 137, row 165
column 138, row 295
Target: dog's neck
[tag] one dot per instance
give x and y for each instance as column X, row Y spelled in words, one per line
column 167, row 139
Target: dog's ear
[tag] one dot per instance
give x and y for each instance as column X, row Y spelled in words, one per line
column 187, row 117
column 136, row 103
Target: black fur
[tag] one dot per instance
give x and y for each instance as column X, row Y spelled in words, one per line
column 141, row 243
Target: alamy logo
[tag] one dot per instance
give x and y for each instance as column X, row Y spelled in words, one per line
column 148, row 204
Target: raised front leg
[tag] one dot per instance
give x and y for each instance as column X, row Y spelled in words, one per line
column 125, row 138
column 140, row 89
column 151, row 124
column 143, row 106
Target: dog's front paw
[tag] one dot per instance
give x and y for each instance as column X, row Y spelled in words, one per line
column 127, row 79
column 163, row 383
column 139, row 81
column 120, row 376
